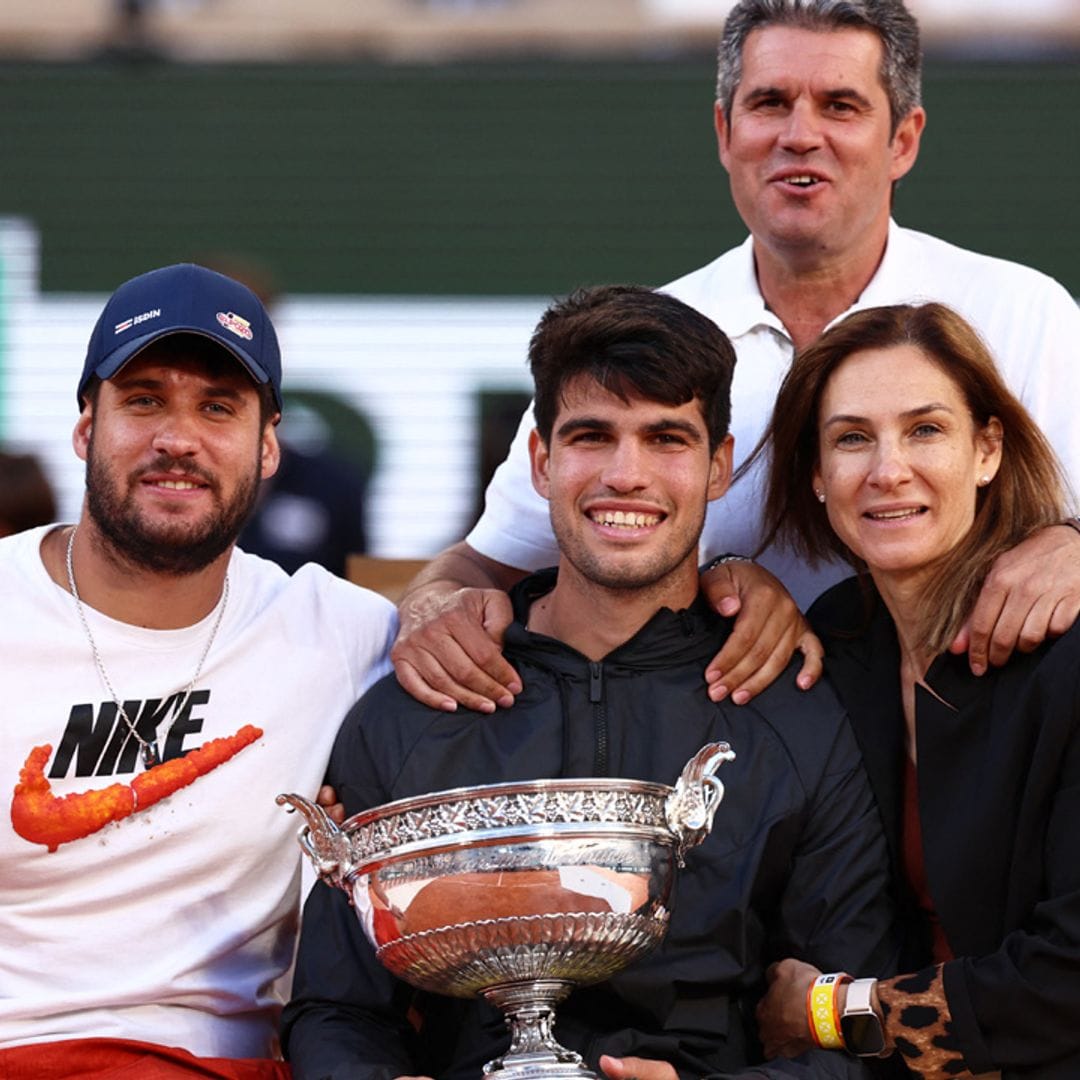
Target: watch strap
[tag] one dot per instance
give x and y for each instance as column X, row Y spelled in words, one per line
column 720, row 560
column 859, row 998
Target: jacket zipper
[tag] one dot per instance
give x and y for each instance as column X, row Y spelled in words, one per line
column 600, row 727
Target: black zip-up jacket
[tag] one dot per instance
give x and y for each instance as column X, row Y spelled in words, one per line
column 795, row 864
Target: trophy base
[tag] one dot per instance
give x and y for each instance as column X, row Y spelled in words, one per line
column 542, row 1067
column 534, row 1054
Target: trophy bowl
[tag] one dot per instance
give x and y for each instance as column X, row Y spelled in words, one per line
column 519, row 891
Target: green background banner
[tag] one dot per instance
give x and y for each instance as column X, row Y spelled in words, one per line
column 475, row 179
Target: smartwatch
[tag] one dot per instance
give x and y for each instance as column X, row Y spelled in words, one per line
column 860, row 1026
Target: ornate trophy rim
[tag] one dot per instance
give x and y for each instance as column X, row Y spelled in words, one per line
column 507, row 788
column 506, row 813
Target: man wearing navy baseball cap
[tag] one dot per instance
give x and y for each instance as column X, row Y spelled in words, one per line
column 162, row 687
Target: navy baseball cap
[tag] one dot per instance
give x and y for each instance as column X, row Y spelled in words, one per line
column 184, row 299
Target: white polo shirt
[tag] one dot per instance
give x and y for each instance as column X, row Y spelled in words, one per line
column 1029, row 321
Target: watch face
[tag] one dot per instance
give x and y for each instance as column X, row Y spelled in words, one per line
column 862, row 1034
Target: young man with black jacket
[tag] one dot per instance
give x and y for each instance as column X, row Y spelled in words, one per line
column 631, row 444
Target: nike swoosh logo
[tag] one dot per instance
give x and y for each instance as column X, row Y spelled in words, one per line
column 41, row 817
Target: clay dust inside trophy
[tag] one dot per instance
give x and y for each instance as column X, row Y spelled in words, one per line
column 520, row 891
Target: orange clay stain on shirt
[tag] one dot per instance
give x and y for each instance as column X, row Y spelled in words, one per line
column 44, row 818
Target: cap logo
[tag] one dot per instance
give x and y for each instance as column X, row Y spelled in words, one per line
column 240, row 327
column 127, row 324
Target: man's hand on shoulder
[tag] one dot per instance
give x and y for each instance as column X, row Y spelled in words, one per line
column 449, row 648
column 768, row 629
column 635, row 1068
column 1031, row 593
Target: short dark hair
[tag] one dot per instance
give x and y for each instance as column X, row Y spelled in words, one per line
column 1028, row 492
column 203, row 348
column 895, row 26
column 634, row 342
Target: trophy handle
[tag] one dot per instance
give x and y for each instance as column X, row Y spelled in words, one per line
column 690, row 807
column 322, row 841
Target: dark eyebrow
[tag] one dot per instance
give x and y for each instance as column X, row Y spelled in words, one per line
column 582, row 423
column 692, row 433
column 849, row 93
column 136, row 381
column 588, row 423
column 763, row 92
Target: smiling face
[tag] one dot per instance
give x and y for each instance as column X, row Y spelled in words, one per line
column 808, row 145
column 900, row 459
column 174, row 449
column 628, row 483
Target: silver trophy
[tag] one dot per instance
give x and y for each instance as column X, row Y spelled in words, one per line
column 518, row 891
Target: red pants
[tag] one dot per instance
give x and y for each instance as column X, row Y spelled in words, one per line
column 121, row 1059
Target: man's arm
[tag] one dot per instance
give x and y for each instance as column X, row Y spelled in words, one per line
column 453, row 616
column 836, row 909
column 836, row 912
column 1031, row 593
column 348, row 1016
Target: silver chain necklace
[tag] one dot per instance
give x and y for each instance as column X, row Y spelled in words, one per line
column 147, row 750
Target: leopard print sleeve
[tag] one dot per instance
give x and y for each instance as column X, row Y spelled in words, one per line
column 918, row 1022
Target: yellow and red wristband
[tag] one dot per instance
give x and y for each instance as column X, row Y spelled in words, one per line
column 823, row 1010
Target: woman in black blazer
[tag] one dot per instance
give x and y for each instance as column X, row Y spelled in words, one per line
column 896, row 445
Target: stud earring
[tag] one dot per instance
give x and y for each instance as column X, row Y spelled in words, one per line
column 984, row 480
column 820, row 496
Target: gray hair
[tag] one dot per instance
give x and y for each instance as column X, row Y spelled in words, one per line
column 901, row 65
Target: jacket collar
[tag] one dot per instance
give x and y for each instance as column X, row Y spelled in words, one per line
column 856, row 625
column 669, row 637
